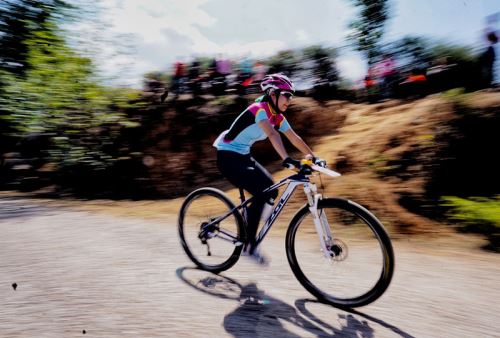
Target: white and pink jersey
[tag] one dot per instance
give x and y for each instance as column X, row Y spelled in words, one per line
column 245, row 131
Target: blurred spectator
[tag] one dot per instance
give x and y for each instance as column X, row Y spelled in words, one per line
column 369, row 82
column 219, row 69
column 223, row 66
column 371, row 89
column 178, row 78
column 245, row 78
column 246, row 67
column 415, row 84
column 372, row 86
column 443, row 75
column 194, row 69
column 387, row 69
column 486, row 61
column 195, row 78
column 212, row 69
column 259, row 71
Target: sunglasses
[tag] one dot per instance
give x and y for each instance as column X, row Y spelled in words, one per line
column 287, row 95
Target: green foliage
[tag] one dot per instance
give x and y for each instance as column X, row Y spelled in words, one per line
column 323, row 60
column 475, row 211
column 458, row 96
column 18, row 19
column 157, row 76
column 318, row 52
column 58, row 97
column 285, row 62
column 205, row 62
column 315, row 61
column 478, row 215
column 368, row 27
column 379, row 164
column 453, row 53
column 412, row 50
column 417, row 51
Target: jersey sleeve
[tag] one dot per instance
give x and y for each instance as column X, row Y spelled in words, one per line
column 260, row 115
column 284, row 125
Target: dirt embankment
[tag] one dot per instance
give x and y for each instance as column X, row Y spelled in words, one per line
column 397, row 158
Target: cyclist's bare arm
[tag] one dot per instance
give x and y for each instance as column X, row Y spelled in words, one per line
column 298, row 142
column 274, row 137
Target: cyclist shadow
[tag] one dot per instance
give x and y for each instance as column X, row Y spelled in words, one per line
column 351, row 321
column 260, row 315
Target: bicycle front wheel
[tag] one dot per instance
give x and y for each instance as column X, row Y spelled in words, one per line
column 212, row 241
column 359, row 262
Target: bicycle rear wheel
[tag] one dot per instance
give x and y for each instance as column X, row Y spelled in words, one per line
column 212, row 245
column 360, row 261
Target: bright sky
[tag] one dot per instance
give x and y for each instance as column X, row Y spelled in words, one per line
column 161, row 31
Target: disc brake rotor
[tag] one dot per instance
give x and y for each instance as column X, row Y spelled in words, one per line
column 338, row 250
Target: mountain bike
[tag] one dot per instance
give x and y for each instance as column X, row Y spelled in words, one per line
column 337, row 249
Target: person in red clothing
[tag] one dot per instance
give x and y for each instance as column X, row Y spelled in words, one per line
column 179, row 74
column 415, row 84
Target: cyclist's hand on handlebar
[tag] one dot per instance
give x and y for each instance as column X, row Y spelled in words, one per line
column 290, row 163
column 319, row 162
column 316, row 160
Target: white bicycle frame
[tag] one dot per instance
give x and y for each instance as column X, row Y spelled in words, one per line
column 313, row 198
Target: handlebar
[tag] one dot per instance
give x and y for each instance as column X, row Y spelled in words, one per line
column 307, row 166
column 325, row 171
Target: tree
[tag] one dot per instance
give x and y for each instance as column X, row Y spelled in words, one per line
column 18, row 20
column 284, row 62
column 412, row 52
column 368, row 28
column 322, row 62
column 56, row 98
column 421, row 52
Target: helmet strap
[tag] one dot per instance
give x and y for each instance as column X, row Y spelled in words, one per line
column 275, row 105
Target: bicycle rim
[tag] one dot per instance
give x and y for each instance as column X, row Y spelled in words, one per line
column 214, row 248
column 360, row 260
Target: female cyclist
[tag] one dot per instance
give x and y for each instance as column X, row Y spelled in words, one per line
column 262, row 119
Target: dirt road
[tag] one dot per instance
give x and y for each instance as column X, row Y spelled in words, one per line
column 83, row 274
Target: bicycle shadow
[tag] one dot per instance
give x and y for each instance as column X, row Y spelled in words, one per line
column 261, row 315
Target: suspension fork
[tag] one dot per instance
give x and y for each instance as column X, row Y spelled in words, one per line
column 319, row 219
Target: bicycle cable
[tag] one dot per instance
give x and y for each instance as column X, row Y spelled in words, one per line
column 322, row 187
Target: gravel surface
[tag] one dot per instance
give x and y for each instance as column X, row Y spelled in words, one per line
column 67, row 273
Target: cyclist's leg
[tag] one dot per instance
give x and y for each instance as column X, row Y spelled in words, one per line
column 257, row 180
column 244, row 172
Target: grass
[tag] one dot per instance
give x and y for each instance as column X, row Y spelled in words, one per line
column 457, row 96
column 477, row 214
column 475, row 210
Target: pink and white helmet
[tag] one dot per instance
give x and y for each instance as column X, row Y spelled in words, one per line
column 278, row 82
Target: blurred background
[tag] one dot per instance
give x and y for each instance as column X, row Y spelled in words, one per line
column 122, row 99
